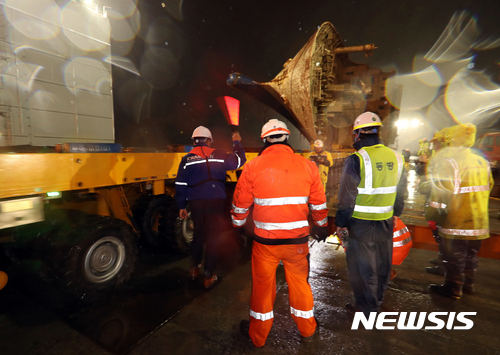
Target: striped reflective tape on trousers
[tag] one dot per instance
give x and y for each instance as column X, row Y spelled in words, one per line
column 318, row 207
column 239, row 209
column 302, row 314
column 401, row 242
column 238, row 222
column 437, row 204
column 181, row 183
column 281, row 226
column 262, row 316
column 204, row 161
column 400, row 232
column 372, row 209
column 280, row 201
column 465, row 232
column 322, row 222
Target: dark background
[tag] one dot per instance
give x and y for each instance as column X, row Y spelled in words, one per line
column 186, row 49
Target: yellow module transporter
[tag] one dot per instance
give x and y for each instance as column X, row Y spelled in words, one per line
column 81, row 210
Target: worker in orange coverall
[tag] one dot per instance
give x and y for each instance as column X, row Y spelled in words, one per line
column 283, row 187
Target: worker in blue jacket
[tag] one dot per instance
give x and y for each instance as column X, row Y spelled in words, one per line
column 201, row 183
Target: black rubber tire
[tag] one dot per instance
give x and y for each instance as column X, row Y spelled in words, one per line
column 181, row 243
column 102, row 261
column 158, row 221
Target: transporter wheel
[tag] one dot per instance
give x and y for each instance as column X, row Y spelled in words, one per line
column 102, row 261
column 158, row 221
column 184, row 233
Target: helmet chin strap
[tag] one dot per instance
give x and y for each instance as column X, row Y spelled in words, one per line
column 356, row 137
column 358, row 133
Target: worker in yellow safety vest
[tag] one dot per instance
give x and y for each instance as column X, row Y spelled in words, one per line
column 322, row 159
column 461, row 182
column 372, row 189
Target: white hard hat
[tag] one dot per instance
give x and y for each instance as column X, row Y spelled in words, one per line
column 202, row 132
column 318, row 143
column 367, row 119
column 272, row 127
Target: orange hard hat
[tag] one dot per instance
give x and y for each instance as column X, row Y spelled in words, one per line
column 3, row 279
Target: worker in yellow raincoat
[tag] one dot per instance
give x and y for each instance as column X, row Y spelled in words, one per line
column 461, row 182
column 322, row 159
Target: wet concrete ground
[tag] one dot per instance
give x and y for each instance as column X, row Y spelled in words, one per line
column 161, row 312
column 209, row 323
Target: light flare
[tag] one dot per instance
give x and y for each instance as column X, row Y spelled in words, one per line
column 36, row 19
column 469, row 100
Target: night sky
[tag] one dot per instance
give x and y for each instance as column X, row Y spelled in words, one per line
column 186, row 49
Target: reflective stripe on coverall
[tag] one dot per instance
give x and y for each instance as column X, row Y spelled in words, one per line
column 283, row 187
column 401, row 242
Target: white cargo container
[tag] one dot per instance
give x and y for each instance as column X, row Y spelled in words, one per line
column 55, row 81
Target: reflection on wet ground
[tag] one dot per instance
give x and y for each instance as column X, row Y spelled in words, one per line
column 158, row 290
column 159, row 311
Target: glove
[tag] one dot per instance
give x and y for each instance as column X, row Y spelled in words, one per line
column 319, row 233
column 435, row 233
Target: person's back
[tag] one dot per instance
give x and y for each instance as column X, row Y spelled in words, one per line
column 282, row 187
column 280, row 177
column 464, row 178
column 200, row 182
column 458, row 207
column 381, row 169
column 371, row 192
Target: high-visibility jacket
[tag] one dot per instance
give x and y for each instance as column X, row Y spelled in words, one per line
column 423, row 147
column 401, row 242
column 282, row 186
column 381, row 169
column 323, row 168
column 461, row 182
column 202, row 173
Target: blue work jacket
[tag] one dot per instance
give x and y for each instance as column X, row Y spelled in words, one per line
column 202, row 173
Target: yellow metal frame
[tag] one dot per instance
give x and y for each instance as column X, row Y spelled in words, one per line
column 39, row 173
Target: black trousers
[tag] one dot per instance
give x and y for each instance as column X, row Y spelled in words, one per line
column 208, row 219
column 460, row 259
column 369, row 266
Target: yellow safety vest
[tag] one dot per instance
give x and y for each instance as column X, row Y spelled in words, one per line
column 381, row 169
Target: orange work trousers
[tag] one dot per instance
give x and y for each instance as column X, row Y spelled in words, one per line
column 265, row 260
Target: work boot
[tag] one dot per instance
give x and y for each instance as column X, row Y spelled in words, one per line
column 194, row 272
column 435, row 270
column 435, row 261
column 244, row 328
column 446, row 291
column 470, row 277
column 468, row 289
column 310, row 338
column 208, row 282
